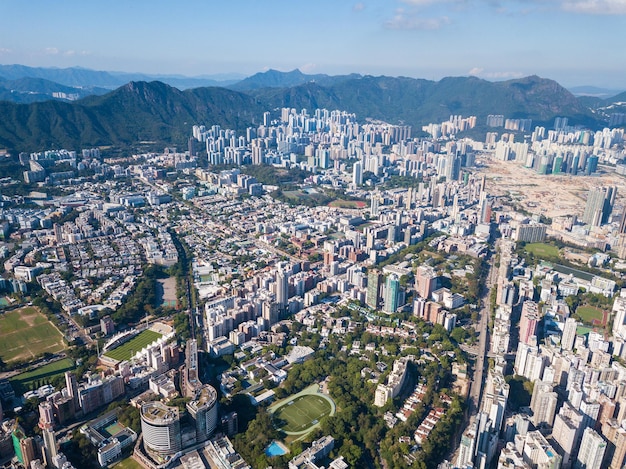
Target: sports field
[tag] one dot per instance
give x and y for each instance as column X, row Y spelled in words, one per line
column 27, row 333
column 543, row 250
column 301, row 413
column 134, row 345
column 112, row 430
column 591, row 315
column 23, row 382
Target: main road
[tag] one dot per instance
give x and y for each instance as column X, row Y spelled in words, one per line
column 478, row 377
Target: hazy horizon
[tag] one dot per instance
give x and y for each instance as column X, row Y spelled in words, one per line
column 571, row 41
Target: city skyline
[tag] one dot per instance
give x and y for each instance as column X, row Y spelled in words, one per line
column 570, row 41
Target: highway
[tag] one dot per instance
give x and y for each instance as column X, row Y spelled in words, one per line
column 478, row 377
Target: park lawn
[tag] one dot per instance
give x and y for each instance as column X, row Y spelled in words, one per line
column 128, row 463
column 589, row 314
column 134, row 345
column 302, row 413
column 23, row 382
column 27, row 333
column 543, row 250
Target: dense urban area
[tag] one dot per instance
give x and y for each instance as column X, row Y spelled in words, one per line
column 318, row 291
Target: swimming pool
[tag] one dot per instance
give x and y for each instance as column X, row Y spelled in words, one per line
column 275, row 449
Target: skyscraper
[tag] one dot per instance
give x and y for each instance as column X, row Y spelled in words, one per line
column 374, row 205
column 591, row 451
column 357, row 173
column 72, row 389
column 528, row 321
column 426, row 280
column 392, row 293
column 160, row 426
column 543, row 403
column 569, row 334
column 282, row 289
column 373, row 289
column 599, row 205
column 203, row 411
column 46, row 423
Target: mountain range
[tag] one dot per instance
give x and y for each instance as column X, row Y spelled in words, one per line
column 159, row 112
column 78, row 77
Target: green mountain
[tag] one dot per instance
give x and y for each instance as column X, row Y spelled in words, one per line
column 138, row 111
column 277, row 79
column 417, row 102
column 141, row 111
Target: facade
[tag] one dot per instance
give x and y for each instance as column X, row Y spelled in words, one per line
column 374, row 280
column 599, row 205
column 528, row 321
column 160, row 426
column 592, row 449
column 392, row 294
column 426, row 281
column 543, row 404
column 203, row 411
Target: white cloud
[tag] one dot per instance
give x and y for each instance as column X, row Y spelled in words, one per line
column 4, row 50
column 480, row 72
column 69, row 53
column 308, row 68
column 595, row 7
column 51, row 51
column 358, row 7
column 411, row 20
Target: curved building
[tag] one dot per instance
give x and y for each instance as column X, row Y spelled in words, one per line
column 203, row 411
column 160, row 425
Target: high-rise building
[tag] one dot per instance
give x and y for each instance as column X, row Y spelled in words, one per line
column 46, row 423
column 357, row 173
column 426, row 281
column 543, row 403
column 591, row 411
column 72, row 389
column 392, row 294
column 622, row 224
column 25, row 448
column 203, row 411
column 528, row 321
column 49, row 446
column 591, row 452
column 374, row 205
column 374, row 280
column 569, row 334
column 599, row 205
column 619, row 455
column 538, row 452
column 485, row 208
column 282, row 289
column 619, row 312
column 566, row 432
column 467, row 446
column 160, row 426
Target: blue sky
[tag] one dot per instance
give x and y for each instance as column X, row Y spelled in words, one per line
column 576, row 42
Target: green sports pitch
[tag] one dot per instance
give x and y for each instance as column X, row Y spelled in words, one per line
column 27, row 333
column 301, row 413
column 134, row 345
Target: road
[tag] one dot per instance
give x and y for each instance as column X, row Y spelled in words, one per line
column 478, row 377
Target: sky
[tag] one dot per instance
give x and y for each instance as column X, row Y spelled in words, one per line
column 576, row 42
